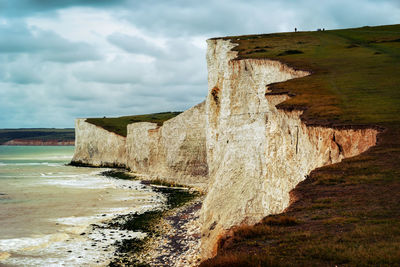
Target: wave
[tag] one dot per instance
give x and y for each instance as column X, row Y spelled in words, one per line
column 60, row 157
column 79, row 243
column 50, row 164
column 30, row 243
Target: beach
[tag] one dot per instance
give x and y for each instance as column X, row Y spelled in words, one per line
column 179, row 245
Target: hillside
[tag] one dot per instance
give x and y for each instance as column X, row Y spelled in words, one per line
column 346, row 213
column 39, row 135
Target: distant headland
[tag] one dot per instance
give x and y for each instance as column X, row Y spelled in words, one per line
column 37, row 137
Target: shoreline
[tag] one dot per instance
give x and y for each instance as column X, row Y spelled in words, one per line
column 171, row 234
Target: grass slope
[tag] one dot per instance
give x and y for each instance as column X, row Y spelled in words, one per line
column 118, row 125
column 43, row 134
column 345, row 214
column 355, row 72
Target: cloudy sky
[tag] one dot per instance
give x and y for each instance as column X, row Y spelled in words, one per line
column 63, row 59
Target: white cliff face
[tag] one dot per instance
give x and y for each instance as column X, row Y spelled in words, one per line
column 256, row 153
column 237, row 145
column 175, row 152
column 98, row 147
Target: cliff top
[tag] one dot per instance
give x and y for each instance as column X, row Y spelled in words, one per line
column 355, row 72
column 118, row 125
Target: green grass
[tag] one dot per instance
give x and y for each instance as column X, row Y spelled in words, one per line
column 355, row 72
column 118, row 125
column 346, row 214
column 43, row 134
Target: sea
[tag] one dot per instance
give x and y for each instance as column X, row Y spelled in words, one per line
column 50, row 212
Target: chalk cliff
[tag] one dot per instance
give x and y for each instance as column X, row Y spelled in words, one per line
column 96, row 146
column 175, row 152
column 256, row 153
column 246, row 152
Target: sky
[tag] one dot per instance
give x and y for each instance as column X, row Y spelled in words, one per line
column 67, row 59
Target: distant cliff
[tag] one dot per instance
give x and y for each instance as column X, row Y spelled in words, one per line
column 96, row 146
column 247, row 153
column 37, row 137
column 28, row 142
column 175, row 151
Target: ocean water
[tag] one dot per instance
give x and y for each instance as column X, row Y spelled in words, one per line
column 47, row 209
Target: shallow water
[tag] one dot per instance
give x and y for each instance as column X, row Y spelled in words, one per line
column 47, row 208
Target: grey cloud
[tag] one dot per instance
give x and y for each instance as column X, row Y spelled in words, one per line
column 134, row 44
column 368, row 14
column 158, row 101
column 18, row 38
column 179, row 62
column 176, row 48
column 185, row 17
column 235, row 17
column 22, row 77
column 20, row 70
column 119, row 71
column 74, row 52
column 162, row 71
column 15, row 8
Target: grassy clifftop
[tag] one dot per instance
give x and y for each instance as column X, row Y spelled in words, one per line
column 345, row 214
column 118, row 125
column 355, row 72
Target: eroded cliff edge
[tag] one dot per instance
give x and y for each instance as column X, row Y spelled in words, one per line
column 257, row 153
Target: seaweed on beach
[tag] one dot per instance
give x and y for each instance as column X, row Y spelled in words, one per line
column 119, row 175
column 131, row 245
column 161, row 182
column 176, row 194
column 176, row 197
column 127, row 262
column 146, row 222
column 137, row 222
